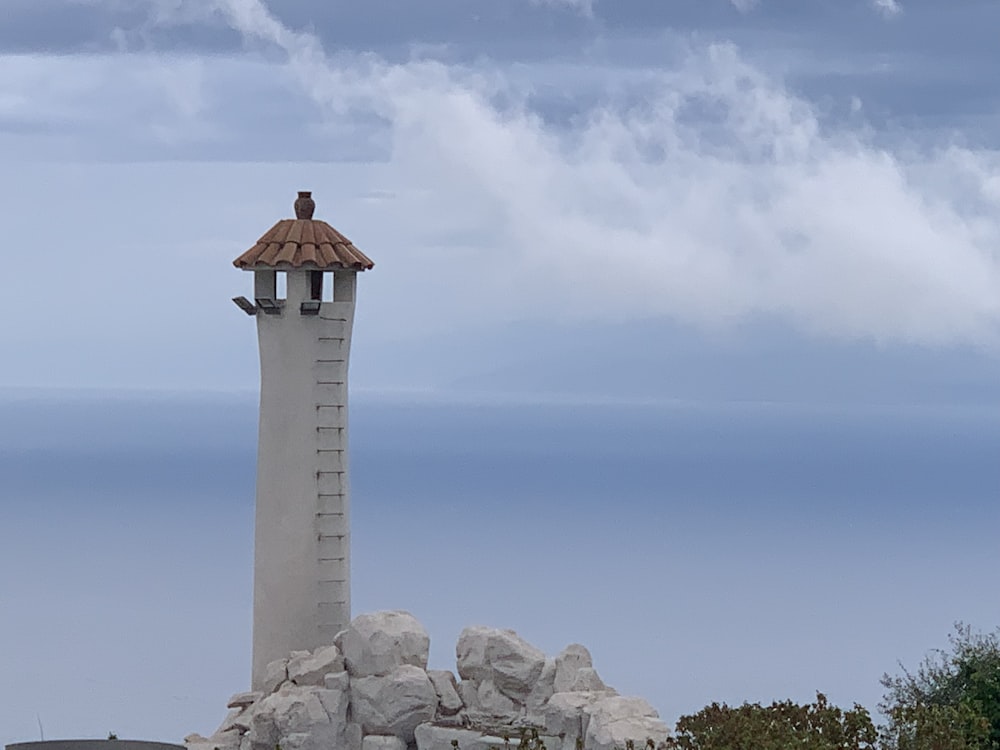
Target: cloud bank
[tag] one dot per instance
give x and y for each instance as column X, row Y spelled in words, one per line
column 888, row 8
column 706, row 193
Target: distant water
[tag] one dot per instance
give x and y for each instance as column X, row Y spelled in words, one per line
column 677, row 455
column 703, row 552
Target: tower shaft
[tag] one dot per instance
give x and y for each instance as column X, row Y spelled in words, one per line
column 302, row 526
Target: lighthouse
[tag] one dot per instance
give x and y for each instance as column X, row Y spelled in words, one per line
column 304, row 289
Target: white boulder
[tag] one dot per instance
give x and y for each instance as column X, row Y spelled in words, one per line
column 566, row 714
column 305, row 668
column 337, row 681
column 434, row 737
column 516, row 664
column 242, row 700
column 229, row 740
column 238, row 719
column 336, row 700
column 376, row 644
column 395, row 703
column 485, row 703
column 430, row 737
column 495, row 704
column 468, row 692
column 540, row 693
column 449, row 702
column 502, row 656
column 352, row 737
column 304, row 718
column 587, row 679
column 470, row 654
column 382, row 742
column 569, row 661
column 275, row 674
column 616, row 719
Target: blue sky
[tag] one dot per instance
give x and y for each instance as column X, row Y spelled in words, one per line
column 683, row 204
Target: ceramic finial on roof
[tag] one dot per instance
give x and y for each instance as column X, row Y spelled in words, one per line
column 304, row 205
column 303, row 242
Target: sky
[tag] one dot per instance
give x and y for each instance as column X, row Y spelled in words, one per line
column 634, row 204
column 814, row 176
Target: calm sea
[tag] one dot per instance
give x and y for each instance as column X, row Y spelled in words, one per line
column 703, row 552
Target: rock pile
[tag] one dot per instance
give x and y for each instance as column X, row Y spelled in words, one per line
column 371, row 690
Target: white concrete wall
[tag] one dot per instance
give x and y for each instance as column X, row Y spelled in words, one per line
column 302, row 537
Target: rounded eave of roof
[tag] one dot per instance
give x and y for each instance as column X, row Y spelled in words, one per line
column 304, row 242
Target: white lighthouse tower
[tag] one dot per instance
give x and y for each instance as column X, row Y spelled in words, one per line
column 302, row 594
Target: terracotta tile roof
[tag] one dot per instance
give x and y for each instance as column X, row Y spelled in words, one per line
column 303, row 241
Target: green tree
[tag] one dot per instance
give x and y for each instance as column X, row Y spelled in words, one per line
column 934, row 727
column 951, row 702
column 780, row 726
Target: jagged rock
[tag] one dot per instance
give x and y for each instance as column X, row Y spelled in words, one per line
column 430, row 737
column 540, row 693
column 303, row 718
column 229, row 740
column 485, row 703
column 622, row 706
column 337, row 681
column 516, row 664
column 470, row 653
column 586, row 679
column 238, row 719
column 434, row 737
column 306, row 668
column 275, row 673
column 616, row 719
column 352, row 737
column 495, row 704
column 336, row 700
column 566, row 714
column 301, row 741
column 242, row 700
column 468, row 692
column 395, row 703
column 375, row 644
column 502, row 656
column 449, row 702
column 570, row 660
column 382, row 742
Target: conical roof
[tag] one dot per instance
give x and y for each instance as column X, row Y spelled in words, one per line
column 303, row 242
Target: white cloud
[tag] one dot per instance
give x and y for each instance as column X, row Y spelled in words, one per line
column 584, row 7
column 888, row 8
column 718, row 198
column 756, row 212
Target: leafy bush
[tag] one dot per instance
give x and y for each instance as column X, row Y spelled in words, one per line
column 931, row 727
column 780, row 726
column 952, row 701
